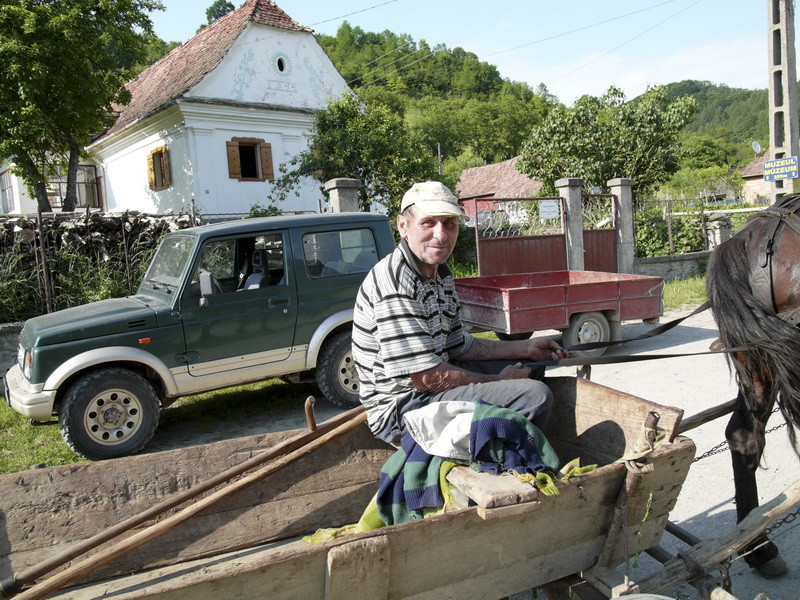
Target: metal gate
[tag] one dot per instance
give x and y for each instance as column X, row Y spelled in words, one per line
column 528, row 235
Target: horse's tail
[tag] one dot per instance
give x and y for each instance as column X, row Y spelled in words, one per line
column 772, row 345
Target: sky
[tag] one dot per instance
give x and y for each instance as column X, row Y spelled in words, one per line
column 574, row 48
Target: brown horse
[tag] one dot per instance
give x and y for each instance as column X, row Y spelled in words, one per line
column 753, row 285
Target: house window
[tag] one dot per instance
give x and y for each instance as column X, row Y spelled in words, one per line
column 158, row 169
column 6, row 196
column 86, row 186
column 250, row 159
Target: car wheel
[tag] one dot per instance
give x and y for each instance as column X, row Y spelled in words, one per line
column 336, row 371
column 585, row 328
column 109, row 413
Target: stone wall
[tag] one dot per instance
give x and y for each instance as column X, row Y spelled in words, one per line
column 674, row 268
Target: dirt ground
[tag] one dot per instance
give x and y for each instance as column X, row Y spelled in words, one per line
column 705, row 506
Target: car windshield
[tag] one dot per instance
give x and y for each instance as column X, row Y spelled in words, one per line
column 169, row 263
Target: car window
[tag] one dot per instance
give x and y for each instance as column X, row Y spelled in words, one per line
column 334, row 253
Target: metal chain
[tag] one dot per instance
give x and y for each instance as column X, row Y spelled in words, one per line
column 722, row 446
column 792, row 516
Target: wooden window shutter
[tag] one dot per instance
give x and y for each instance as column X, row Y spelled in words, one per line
column 165, row 173
column 234, row 165
column 158, row 165
column 267, row 171
column 151, row 170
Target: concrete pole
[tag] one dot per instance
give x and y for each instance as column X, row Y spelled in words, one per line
column 626, row 242
column 343, row 193
column 783, row 119
column 569, row 188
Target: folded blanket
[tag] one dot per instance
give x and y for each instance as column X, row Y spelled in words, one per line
column 503, row 440
column 409, row 484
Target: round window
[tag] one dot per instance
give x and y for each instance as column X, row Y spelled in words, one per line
column 281, row 65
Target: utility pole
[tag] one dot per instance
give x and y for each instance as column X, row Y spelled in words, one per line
column 783, row 120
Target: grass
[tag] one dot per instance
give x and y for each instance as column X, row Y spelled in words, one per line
column 688, row 293
column 23, row 446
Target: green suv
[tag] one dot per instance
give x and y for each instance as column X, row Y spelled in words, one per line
column 221, row 305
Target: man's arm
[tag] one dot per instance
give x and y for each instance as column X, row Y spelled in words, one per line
column 541, row 348
column 446, row 376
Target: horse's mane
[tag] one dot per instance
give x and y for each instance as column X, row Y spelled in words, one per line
column 773, row 345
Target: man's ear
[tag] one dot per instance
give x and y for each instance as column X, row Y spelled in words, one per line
column 401, row 225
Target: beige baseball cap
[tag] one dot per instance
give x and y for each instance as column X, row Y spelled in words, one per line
column 433, row 199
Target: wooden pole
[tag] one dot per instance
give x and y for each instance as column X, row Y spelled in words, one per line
column 291, row 449
column 711, row 552
column 703, row 417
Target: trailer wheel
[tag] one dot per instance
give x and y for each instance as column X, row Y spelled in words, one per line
column 336, row 371
column 109, row 413
column 587, row 327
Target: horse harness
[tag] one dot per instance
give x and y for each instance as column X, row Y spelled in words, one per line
column 784, row 211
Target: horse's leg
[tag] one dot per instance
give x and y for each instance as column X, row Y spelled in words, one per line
column 746, row 450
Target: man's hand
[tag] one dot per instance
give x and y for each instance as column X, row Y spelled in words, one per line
column 544, row 348
column 515, row 371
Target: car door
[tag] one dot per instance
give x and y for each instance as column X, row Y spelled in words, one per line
column 248, row 319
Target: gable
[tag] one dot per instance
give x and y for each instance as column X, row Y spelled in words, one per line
column 188, row 65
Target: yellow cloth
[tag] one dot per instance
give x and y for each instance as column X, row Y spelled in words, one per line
column 547, row 482
column 370, row 519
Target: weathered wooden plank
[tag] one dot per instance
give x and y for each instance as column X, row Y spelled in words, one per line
column 359, row 570
column 489, row 491
column 86, row 497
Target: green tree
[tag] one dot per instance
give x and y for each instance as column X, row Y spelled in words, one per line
column 368, row 142
column 64, row 65
column 603, row 138
column 701, row 151
column 218, row 9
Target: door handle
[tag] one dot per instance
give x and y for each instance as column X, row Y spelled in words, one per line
column 276, row 302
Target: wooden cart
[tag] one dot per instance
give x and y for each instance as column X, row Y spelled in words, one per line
column 504, row 537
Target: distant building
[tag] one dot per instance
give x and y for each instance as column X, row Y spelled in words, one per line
column 478, row 185
column 211, row 121
column 755, row 190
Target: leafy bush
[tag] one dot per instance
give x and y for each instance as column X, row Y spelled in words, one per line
column 652, row 233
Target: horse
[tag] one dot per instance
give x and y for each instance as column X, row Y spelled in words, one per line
column 753, row 287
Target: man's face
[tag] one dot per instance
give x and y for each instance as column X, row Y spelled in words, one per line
column 431, row 239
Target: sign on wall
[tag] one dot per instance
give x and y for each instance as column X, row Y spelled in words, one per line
column 780, row 168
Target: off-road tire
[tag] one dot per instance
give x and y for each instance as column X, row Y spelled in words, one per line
column 584, row 328
column 336, row 372
column 109, row 413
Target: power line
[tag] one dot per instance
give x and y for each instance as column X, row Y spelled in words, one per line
column 355, row 12
column 626, row 42
column 584, row 28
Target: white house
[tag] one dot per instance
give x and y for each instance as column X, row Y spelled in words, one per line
column 213, row 120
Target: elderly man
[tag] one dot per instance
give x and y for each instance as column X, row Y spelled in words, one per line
column 409, row 346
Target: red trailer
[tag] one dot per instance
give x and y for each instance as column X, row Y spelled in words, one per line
column 587, row 306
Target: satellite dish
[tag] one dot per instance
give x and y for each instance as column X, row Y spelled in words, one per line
column 756, row 147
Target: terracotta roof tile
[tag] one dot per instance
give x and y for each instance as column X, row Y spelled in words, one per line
column 499, row 180
column 186, row 65
column 755, row 168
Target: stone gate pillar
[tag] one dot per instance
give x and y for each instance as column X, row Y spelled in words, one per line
column 343, row 193
column 626, row 242
column 569, row 188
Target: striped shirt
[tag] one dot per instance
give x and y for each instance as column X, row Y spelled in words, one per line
column 404, row 322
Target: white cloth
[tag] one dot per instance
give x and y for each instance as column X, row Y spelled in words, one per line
column 442, row 428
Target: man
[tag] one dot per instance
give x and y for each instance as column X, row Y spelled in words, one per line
column 409, row 346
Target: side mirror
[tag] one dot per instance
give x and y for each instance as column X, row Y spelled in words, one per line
column 206, row 287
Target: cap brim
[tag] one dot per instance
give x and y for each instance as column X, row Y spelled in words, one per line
column 438, row 208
